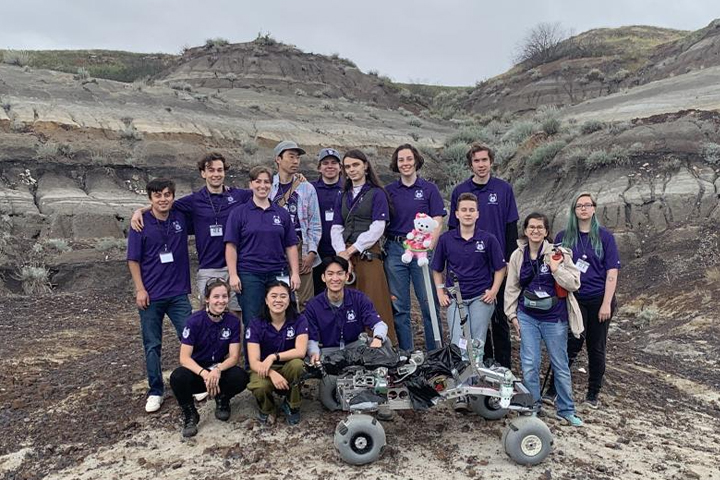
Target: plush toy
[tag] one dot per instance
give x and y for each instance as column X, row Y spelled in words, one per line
column 419, row 239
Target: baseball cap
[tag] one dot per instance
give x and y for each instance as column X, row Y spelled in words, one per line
column 287, row 145
column 328, row 152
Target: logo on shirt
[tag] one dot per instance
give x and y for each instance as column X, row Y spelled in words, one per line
column 292, row 208
column 230, row 199
column 247, row 333
column 492, row 199
column 276, row 220
column 225, row 333
column 544, row 268
column 176, row 225
column 419, row 195
column 186, row 332
column 290, row 333
column 351, row 316
column 479, row 246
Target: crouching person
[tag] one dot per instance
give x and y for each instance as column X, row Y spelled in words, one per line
column 277, row 344
column 209, row 354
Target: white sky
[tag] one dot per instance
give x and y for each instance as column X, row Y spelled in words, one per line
column 448, row 42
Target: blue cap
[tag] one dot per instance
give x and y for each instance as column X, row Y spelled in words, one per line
column 287, row 145
column 328, row 152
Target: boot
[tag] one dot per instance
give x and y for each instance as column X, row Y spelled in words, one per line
column 222, row 408
column 192, row 417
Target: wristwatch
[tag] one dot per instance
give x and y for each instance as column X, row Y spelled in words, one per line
column 378, row 337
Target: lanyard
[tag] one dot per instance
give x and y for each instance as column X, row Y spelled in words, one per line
column 535, row 264
column 212, row 205
column 584, row 245
column 164, row 233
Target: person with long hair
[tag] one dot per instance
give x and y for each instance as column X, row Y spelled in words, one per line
column 209, row 353
column 277, row 343
column 596, row 256
column 357, row 232
column 540, row 305
column 409, row 196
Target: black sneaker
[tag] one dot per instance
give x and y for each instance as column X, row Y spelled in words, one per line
column 190, row 422
column 591, row 400
column 222, row 408
column 292, row 415
column 461, row 405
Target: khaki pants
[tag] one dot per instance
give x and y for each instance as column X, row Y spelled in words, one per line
column 263, row 388
column 307, row 288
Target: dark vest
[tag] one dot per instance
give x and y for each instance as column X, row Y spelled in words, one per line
column 357, row 218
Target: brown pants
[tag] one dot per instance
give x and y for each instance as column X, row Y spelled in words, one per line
column 370, row 279
column 307, row 288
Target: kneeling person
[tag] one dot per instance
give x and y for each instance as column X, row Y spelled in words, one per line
column 209, row 354
column 277, row 344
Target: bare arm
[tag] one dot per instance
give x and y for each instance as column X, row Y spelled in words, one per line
column 292, row 255
column 136, row 221
column 231, row 262
column 436, row 233
column 490, row 295
column 142, row 299
column 443, row 297
column 610, row 286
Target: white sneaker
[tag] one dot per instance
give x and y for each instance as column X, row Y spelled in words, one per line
column 199, row 397
column 153, row 403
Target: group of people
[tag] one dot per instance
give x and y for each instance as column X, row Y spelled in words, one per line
column 298, row 268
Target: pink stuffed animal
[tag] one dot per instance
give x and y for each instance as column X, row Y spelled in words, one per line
column 419, row 239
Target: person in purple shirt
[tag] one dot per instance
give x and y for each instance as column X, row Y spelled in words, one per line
column 410, row 195
column 328, row 190
column 596, row 256
column 260, row 243
column 473, row 258
column 498, row 216
column 277, row 344
column 158, row 261
column 540, row 311
column 209, row 353
column 209, row 209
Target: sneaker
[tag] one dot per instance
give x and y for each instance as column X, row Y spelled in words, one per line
column 190, row 420
column 222, row 408
column 591, row 400
column 199, row 397
column 461, row 405
column 385, row 415
column 292, row 415
column 153, row 403
column 571, row 420
column 266, row 418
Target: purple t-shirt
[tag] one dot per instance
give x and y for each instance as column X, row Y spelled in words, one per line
column 536, row 276
column 380, row 206
column 329, row 325
column 207, row 210
column 420, row 197
column 291, row 206
column 328, row 196
column 162, row 278
column 592, row 280
column 210, row 340
column 496, row 204
column 474, row 261
column 273, row 341
column 261, row 237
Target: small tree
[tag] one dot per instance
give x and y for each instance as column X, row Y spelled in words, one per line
column 541, row 44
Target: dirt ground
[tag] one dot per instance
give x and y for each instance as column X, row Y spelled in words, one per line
column 72, row 386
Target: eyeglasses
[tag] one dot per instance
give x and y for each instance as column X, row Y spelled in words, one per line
column 584, row 206
column 536, row 229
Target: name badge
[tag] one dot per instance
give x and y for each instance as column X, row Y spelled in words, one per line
column 329, row 215
column 166, row 257
column 462, row 343
column 541, row 294
column 216, row 231
column 582, row 265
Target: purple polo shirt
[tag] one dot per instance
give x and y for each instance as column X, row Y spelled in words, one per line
column 536, row 276
column 291, row 206
column 474, row 261
column 328, row 195
column 496, row 204
column 380, row 206
column 273, row 341
column 420, row 197
column 329, row 324
column 261, row 237
column 592, row 281
column 206, row 209
column 162, row 280
column 210, row 340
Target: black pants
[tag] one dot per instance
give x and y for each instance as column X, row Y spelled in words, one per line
column 185, row 383
column 318, row 284
column 497, row 345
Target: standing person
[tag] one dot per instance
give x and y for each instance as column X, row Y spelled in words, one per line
column 596, row 256
column 277, row 343
column 260, row 242
column 298, row 197
column 328, row 190
column 208, row 209
column 160, row 268
column 499, row 216
column 410, row 195
column 209, row 353
column 539, row 310
column 357, row 232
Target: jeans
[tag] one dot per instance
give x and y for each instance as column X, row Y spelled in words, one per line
column 399, row 276
column 151, row 320
column 252, row 296
column 185, row 383
column 554, row 334
column 479, row 314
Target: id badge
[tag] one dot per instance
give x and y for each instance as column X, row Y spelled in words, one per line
column 166, row 257
column 462, row 343
column 342, row 345
column 541, row 294
column 216, row 231
column 582, row 265
column 283, row 278
column 329, row 215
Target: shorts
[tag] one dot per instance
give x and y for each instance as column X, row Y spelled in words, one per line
column 204, row 275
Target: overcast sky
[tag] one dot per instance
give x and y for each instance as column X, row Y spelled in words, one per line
column 449, row 42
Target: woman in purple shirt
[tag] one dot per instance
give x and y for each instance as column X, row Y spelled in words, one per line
column 277, row 343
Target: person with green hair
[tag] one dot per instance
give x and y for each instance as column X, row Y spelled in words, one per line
column 596, row 256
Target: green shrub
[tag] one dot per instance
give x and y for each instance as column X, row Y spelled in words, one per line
column 469, row 135
column 47, row 150
column 591, row 126
column 504, row 152
column 327, row 106
column 109, row 243
column 265, row 40
column 711, row 153
column 35, row 280
column 129, row 132
column 619, row 76
column 59, row 244
column 520, row 131
column 455, row 152
column 574, row 158
column 6, row 105
column 616, row 128
column 544, row 154
column 534, row 74
column 215, row 43
column 520, row 184
column 595, row 75
column 348, row 116
column 21, row 58
column 456, row 173
column 415, row 122
column 180, row 86
column 250, row 146
column 600, row 158
column 427, row 151
column 300, row 92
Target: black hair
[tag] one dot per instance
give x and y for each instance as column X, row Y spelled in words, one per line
column 207, row 160
column 419, row 160
column 157, row 185
column 291, row 311
column 537, row 216
column 327, row 261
